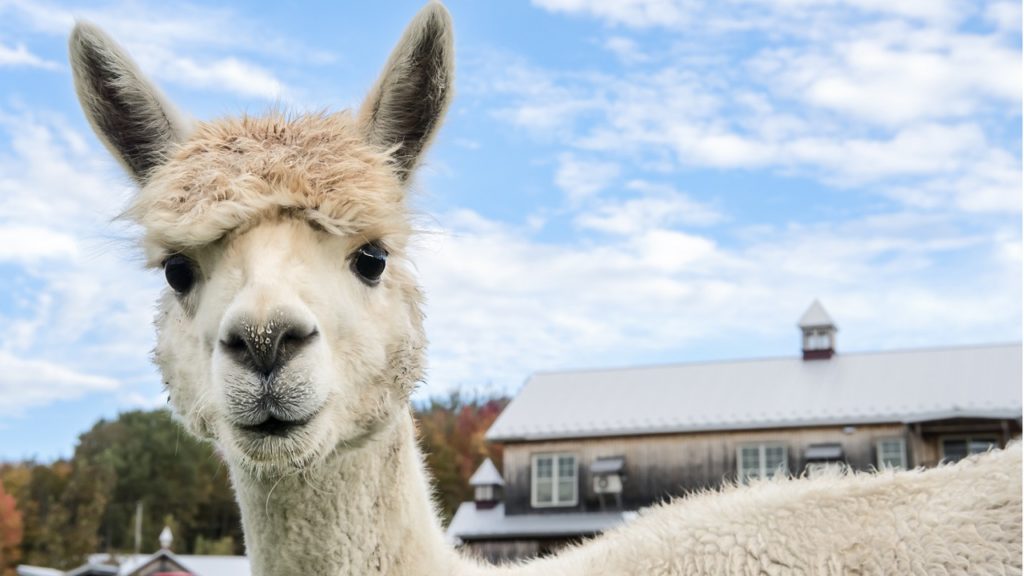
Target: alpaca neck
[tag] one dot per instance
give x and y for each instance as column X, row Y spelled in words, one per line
column 362, row 511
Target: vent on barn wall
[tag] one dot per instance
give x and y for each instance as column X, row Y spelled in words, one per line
column 607, row 477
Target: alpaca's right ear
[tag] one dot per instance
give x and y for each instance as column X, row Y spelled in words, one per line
column 125, row 110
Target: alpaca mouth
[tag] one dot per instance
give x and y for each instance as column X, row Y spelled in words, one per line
column 275, row 427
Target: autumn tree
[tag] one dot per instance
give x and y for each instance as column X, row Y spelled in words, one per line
column 10, row 533
column 38, row 490
column 68, row 509
column 451, row 431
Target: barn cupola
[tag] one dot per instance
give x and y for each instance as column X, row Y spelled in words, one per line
column 818, row 332
column 487, row 485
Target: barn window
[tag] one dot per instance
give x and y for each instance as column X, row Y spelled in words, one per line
column 954, row 449
column 554, row 480
column 892, row 453
column 761, row 461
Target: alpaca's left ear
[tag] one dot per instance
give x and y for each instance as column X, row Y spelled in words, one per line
column 406, row 106
column 136, row 123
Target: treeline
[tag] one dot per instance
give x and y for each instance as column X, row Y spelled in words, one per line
column 55, row 514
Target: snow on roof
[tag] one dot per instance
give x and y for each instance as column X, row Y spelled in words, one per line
column 472, row 523
column 815, row 316
column 26, row 570
column 200, row 565
column 486, row 475
column 901, row 386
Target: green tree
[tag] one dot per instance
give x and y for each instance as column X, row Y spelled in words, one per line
column 156, row 463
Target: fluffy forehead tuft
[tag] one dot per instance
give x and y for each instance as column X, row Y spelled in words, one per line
column 233, row 172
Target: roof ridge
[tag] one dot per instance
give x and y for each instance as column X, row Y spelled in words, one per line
column 771, row 358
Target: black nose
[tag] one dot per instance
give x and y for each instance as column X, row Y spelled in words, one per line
column 265, row 347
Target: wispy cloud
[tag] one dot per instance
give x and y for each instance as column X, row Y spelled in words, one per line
column 501, row 297
column 77, row 319
column 25, row 383
column 581, row 179
column 910, row 100
column 19, row 55
column 193, row 47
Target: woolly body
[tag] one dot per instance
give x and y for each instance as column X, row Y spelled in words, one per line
column 265, row 220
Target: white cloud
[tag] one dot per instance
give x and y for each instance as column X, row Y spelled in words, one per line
column 182, row 45
column 30, row 243
column 1005, row 15
column 223, row 74
column 745, row 15
column 84, row 308
column 658, row 207
column 581, row 179
column 626, row 49
column 502, row 304
column 19, row 55
column 25, row 383
column 892, row 74
column 909, row 99
column 636, row 13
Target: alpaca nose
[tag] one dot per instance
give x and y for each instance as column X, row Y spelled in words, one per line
column 267, row 346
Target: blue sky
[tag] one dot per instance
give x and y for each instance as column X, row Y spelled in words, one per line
column 618, row 182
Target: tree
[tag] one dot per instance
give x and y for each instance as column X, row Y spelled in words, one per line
column 452, row 432
column 10, row 533
column 173, row 475
column 38, row 490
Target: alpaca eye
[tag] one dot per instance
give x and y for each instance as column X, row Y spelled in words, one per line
column 368, row 262
column 180, row 273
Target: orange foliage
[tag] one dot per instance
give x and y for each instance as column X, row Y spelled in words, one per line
column 452, row 437
column 10, row 533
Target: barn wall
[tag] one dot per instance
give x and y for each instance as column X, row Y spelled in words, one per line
column 673, row 464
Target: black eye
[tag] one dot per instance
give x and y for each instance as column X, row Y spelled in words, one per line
column 180, row 273
column 368, row 263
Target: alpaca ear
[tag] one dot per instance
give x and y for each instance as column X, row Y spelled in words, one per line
column 126, row 111
column 406, row 106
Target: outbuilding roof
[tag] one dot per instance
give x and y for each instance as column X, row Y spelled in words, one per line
column 472, row 523
column 486, row 475
column 862, row 388
column 199, row 565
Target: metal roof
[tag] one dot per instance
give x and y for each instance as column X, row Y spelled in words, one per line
column 486, row 475
column 815, row 316
column 472, row 523
column 863, row 388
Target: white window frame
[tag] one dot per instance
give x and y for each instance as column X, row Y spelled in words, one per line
column 555, row 480
column 967, row 438
column 903, row 453
column 762, row 471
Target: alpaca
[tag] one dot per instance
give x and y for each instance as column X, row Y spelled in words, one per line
column 291, row 336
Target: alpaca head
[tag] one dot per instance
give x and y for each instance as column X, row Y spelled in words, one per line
column 290, row 326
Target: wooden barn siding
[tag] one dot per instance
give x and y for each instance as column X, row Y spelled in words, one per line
column 664, row 465
column 507, row 551
column 925, row 440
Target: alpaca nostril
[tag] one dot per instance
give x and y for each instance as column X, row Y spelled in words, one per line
column 266, row 347
column 234, row 342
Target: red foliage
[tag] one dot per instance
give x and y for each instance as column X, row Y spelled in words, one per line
column 10, row 533
column 452, row 435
